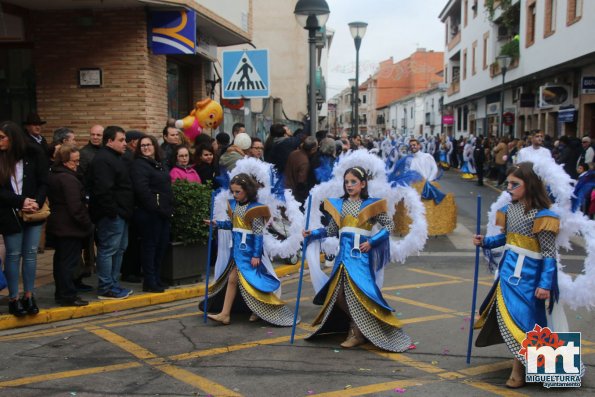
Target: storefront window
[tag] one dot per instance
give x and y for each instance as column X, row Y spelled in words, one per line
column 17, row 84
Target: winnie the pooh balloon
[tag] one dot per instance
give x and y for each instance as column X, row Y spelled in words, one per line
column 206, row 114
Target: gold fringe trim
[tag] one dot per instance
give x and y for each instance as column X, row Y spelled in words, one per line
column 229, row 210
column 501, row 219
column 332, row 287
column 372, row 307
column 260, row 211
column 332, row 211
column 484, row 315
column 265, row 297
column 522, row 241
column 546, row 223
column 223, row 278
column 350, row 221
column 372, row 210
column 514, row 330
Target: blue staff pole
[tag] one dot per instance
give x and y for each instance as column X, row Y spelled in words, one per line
column 299, row 291
column 472, row 317
column 209, row 251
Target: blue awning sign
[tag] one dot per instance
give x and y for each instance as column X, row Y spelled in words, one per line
column 173, row 32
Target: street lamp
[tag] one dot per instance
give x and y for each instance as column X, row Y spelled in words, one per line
column 312, row 16
column 358, row 30
column 504, row 63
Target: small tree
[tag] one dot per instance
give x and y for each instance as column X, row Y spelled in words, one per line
column 191, row 206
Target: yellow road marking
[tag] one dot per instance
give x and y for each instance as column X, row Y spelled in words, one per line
column 492, row 388
column 420, row 304
column 197, row 381
column 484, row 369
column 232, row 348
column 159, row 363
column 68, row 374
column 407, row 360
column 422, row 285
column 80, row 326
column 451, row 375
column 379, row 387
column 412, row 269
column 123, row 343
column 423, row 319
column 151, row 320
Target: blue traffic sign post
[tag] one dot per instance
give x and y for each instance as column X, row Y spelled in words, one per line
column 246, row 74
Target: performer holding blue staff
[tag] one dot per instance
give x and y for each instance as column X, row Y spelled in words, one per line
column 351, row 299
column 527, row 272
column 257, row 283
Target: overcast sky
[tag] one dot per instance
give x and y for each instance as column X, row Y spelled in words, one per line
column 395, row 28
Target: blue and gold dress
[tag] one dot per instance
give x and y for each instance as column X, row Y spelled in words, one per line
column 354, row 274
column 529, row 262
column 256, row 284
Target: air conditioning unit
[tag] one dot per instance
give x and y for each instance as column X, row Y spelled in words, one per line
column 493, row 108
column 551, row 95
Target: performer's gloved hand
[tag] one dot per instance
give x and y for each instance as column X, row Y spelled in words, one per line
column 494, row 241
column 312, row 235
column 379, row 237
column 258, row 248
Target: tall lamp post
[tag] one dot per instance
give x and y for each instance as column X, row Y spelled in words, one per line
column 358, row 30
column 312, row 16
column 504, row 63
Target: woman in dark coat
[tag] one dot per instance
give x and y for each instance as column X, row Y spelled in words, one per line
column 23, row 186
column 153, row 198
column 69, row 222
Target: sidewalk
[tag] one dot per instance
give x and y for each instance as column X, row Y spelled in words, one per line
column 51, row 312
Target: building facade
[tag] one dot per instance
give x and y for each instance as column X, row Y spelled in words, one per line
column 418, row 114
column 101, row 62
column 549, row 84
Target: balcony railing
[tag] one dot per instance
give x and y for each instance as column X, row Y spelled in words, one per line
column 453, row 88
column 454, row 41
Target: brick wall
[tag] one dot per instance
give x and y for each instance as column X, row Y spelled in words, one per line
column 134, row 91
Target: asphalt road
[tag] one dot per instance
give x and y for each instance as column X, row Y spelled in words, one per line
column 167, row 350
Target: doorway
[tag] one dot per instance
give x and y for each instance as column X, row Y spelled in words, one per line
column 17, row 84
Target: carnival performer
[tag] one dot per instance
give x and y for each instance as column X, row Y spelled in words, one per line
column 419, row 170
column 245, row 269
column 351, row 298
column 445, row 150
column 527, row 273
column 468, row 168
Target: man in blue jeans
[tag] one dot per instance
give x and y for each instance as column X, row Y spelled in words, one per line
column 111, row 206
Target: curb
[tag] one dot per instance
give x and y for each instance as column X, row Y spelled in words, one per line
column 95, row 308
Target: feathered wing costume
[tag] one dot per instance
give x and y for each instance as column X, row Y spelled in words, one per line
column 242, row 234
column 420, row 171
column 531, row 260
column 359, row 276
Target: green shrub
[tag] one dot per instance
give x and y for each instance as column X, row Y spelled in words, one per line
column 191, row 206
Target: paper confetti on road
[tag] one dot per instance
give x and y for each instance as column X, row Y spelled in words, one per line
column 399, row 390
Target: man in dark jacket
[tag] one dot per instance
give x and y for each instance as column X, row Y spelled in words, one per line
column 32, row 126
column 89, row 151
column 280, row 144
column 111, row 205
column 297, row 170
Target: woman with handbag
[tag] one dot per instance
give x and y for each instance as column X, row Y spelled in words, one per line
column 69, row 222
column 23, row 185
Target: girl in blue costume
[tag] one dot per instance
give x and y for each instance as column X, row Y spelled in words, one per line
column 351, row 299
column 527, row 273
column 245, row 270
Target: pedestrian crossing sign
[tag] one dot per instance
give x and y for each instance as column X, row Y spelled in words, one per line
column 246, row 74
